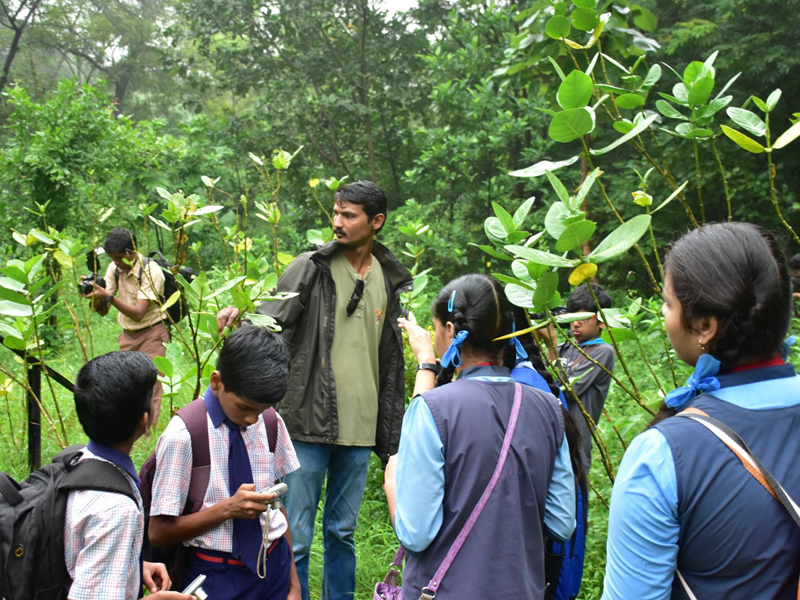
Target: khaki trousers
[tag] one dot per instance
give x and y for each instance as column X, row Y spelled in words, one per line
column 149, row 340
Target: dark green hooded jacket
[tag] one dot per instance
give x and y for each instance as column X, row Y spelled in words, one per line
column 309, row 408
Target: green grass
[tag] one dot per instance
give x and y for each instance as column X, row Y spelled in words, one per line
column 375, row 541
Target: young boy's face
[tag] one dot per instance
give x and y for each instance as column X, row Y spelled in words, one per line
column 240, row 410
column 587, row 329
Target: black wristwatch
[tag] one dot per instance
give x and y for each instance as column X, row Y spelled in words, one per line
column 424, row 366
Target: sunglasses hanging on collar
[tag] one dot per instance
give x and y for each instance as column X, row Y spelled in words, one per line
column 355, row 297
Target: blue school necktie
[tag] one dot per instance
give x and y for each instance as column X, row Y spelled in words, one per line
column 247, row 533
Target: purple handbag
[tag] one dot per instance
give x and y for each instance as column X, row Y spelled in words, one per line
column 388, row 589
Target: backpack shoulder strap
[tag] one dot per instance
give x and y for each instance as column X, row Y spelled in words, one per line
column 271, row 425
column 97, row 475
column 194, row 416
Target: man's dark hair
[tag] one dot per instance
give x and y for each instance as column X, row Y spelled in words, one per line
column 794, row 263
column 581, row 299
column 120, row 239
column 254, row 364
column 367, row 194
column 112, row 392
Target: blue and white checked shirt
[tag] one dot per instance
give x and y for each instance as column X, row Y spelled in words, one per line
column 174, row 460
column 103, row 534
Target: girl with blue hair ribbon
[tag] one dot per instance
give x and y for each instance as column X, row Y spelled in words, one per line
column 449, row 447
column 687, row 520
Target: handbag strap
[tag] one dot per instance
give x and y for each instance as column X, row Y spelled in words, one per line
column 429, row 592
column 749, row 461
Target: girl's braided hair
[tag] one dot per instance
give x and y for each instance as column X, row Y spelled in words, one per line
column 737, row 273
column 481, row 308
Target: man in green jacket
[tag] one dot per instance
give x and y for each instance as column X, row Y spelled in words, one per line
column 346, row 393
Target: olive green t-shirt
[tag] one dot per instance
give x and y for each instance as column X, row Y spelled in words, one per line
column 354, row 354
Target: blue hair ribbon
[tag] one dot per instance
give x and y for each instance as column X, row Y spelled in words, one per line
column 453, row 354
column 702, row 380
column 788, row 343
column 451, row 302
column 514, row 341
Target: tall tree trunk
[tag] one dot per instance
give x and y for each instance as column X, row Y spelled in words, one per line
column 18, row 28
column 364, row 88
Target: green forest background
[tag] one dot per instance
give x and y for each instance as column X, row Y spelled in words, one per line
column 218, row 131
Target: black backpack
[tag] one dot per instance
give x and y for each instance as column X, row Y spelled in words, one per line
column 32, row 517
column 179, row 309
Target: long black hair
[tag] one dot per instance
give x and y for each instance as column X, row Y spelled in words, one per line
column 737, row 273
column 479, row 307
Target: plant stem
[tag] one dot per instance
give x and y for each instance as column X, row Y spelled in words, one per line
column 638, row 394
column 772, row 174
column 619, row 217
column 605, row 457
column 699, row 181
column 724, row 179
column 649, row 366
column 619, row 435
column 594, row 489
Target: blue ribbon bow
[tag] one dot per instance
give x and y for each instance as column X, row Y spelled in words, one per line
column 453, row 354
column 701, row 381
column 514, row 341
column 787, row 343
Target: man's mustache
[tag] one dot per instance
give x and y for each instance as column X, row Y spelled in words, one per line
column 338, row 232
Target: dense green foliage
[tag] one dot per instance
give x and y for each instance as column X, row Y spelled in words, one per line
column 544, row 142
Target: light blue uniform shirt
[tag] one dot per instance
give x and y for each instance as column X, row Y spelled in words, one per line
column 643, row 527
column 420, row 476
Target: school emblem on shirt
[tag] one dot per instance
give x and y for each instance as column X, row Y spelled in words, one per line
column 378, row 315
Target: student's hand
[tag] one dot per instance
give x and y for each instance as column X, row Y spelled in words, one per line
column 390, row 474
column 170, row 596
column 227, row 317
column 155, row 577
column 99, row 292
column 246, row 503
column 294, row 593
column 419, row 339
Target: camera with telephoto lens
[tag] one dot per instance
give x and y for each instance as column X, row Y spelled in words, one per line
column 93, row 264
column 556, row 312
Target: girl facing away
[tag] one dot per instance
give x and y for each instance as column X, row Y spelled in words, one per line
column 449, row 447
column 687, row 520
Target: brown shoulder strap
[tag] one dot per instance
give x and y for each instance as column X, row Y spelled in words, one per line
column 194, row 416
column 271, row 424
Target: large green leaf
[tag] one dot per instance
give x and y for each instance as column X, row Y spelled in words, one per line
column 787, row 136
column 554, row 219
column 540, row 257
column 640, row 127
column 644, row 19
column 743, row 141
column 491, row 251
column 165, row 365
column 519, row 296
column 585, row 19
column 574, row 235
column 570, row 125
column 670, row 198
column 542, row 167
column 558, row 188
column 772, row 100
column 666, row 109
column 620, row 335
column 748, row 121
column 689, row 131
column 494, row 229
column 545, row 288
column 621, row 239
column 629, row 101
column 695, row 71
column 575, row 91
column 13, row 309
column 522, row 212
column 585, row 3
column 652, row 77
column 225, row 287
column 586, row 186
column 701, row 90
column 506, row 220
column 557, row 27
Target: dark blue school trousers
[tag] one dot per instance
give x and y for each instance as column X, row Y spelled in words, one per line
column 236, row 582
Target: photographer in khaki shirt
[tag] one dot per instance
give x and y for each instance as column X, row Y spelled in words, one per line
column 134, row 286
